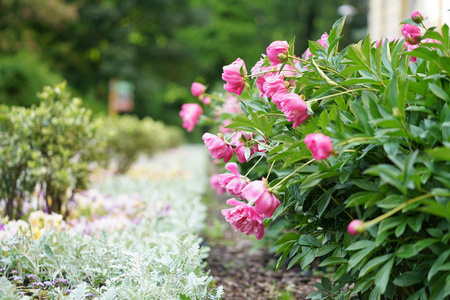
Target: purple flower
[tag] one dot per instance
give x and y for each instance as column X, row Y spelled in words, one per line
column 32, row 277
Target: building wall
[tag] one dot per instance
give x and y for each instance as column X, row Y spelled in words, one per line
column 385, row 15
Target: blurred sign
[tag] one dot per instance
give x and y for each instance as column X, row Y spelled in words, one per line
column 121, row 96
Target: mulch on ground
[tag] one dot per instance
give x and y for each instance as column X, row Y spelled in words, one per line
column 248, row 273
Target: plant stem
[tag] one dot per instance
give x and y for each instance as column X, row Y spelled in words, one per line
column 341, row 93
column 398, row 208
column 293, row 172
column 356, row 140
column 251, row 169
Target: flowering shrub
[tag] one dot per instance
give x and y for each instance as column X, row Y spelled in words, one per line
column 353, row 146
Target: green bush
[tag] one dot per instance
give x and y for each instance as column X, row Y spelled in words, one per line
column 126, row 137
column 49, row 145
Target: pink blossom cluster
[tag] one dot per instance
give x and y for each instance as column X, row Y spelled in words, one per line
column 248, row 216
column 241, row 142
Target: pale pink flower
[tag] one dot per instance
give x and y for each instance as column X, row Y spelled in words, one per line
column 243, row 141
column 277, row 52
column 232, row 75
column 256, row 192
column 223, row 127
column 214, row 182
column 233, row 182
column 411, row 33
column 417, row 17
column 231, row 105
column 217, row 147
column 244, row 218
column 294, row 108
column 206, row 100
column 197, row 89
column 273, row 84
column 257, row 68
column 319, row 144
column 190, row 113
column 355, row 227
column 410, row 47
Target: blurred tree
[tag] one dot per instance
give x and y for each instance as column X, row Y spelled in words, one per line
column 159, row 45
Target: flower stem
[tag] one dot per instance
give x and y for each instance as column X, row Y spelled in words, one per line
column 398, row 208
column 251, row 169
column 293, row 172
column 341, row 93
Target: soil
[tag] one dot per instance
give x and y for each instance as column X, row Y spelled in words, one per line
column 248, row 273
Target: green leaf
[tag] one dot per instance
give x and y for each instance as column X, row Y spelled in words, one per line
column 361, row 245
column 406, row 251
column 439, row 92
column 325, row 249
column 440, row 153
column 382, row 277
column 308, row 258
column 308, row 240
column 356, row 258
column 422, row 244
column 333, row 261
column 49, row 252
column 439, row 262
column 290, row 237
column 409, row 278
column 373, row 263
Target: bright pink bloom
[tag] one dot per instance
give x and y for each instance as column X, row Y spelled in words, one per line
column 244, row 218
column 319, row 144
column 278, row 97
column 355, row 227
column 411, row 33
column 273, row 84
column 190, row 112
column 265, row 202
column 197, row 89
column 233, row 182
column 232, row 75
column 243, row 141
column 417, row 17
column 214, row 181
column 277, row 52
column 294, row 108
column 217, row 147
column 231, row 105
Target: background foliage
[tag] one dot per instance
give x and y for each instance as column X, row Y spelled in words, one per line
column 160, row 46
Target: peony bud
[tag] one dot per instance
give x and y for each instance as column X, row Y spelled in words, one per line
column 417, row 17
column 319, row 144
column 355, row 227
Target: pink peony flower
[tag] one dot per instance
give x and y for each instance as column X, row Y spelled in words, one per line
column 244, row 218
column 411, row 33
column 319, row 144
column 243, row 141
column 214, row 182
column 197, row 89
column 218, row 147
column 278, row 97
column 190, row 112
column 257, row 68
column 277, row 52
column 355, row 227
column 265, row 202
column 417, row 17
column 273, row 84
column 232, row 75
column 233, row 182
column 410, row 47
column 294, row 108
